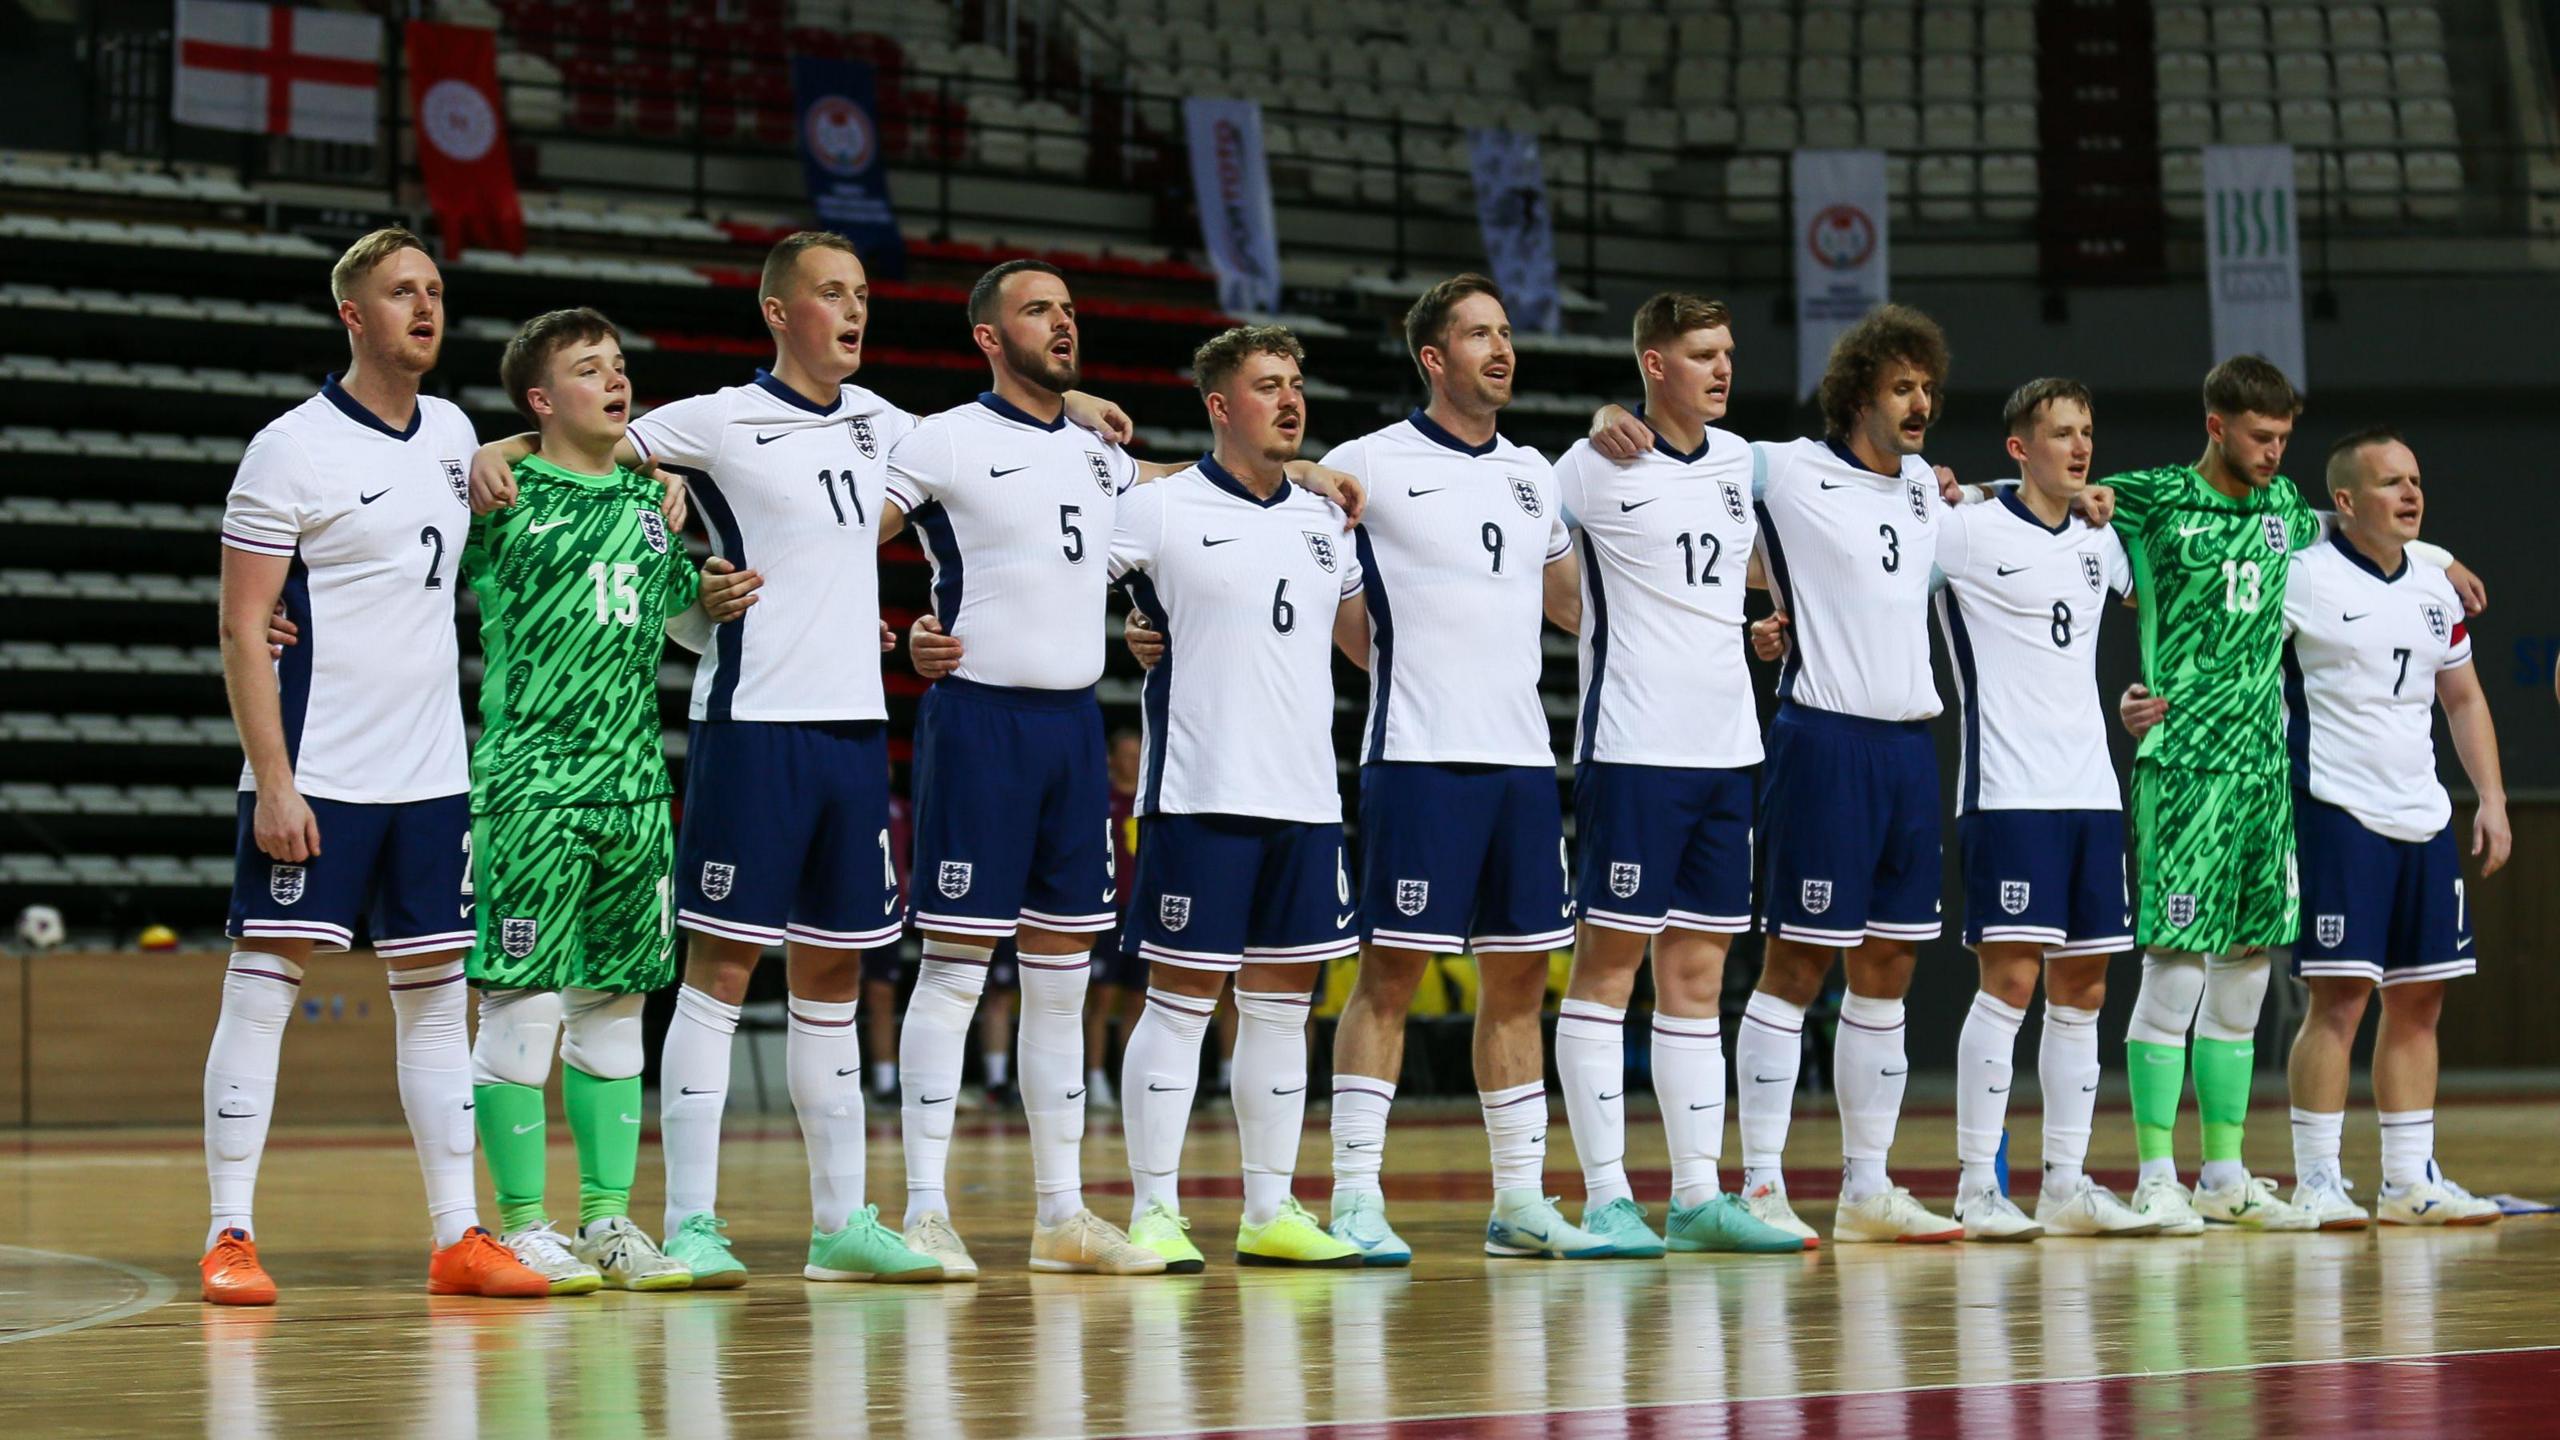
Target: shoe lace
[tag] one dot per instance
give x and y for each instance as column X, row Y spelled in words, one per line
column 549, row 1246
column 1290, row 1209
column 706, row 1226
column 233, row 1247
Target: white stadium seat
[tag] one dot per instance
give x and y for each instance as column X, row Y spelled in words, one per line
column 2185, row 123
column 2427, row 122
column 2180, row 27
column 2368, row 122
column 2307, row 122
column 1950, row 127
column 2246, row 122
column 1890, row 125
column 2009, row 126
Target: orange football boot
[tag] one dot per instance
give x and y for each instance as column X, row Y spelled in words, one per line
column 477, row 1264
column 232, row 1274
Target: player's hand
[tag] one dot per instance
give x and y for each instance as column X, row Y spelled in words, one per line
column 1617, row 433
column 280, row 633
column 2140, row 710
column 1145, row 641
column 1339, row 486
column 2475, row 596
column 933, row 653
column 2096, row 504
column 888, row 638
column 1769, row 636
column 672, row 505
column 2491, row 838
column 493, row 479
column 727, row 591
column 1100, row 416
column 1948, row 489
column 284, row 826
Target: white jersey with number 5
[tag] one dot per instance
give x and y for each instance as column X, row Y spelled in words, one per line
column 1850, row 554
column 791, row 490
column 2361, row 656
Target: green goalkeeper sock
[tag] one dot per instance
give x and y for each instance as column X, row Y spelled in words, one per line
column 2222, row 1093
column 511, row 1135
column 605, row 1117
column 2157, row 1073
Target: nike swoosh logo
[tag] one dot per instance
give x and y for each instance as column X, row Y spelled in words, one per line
column 1358, row 1145
column 1076, row 1094
column 545, row 525
column 468, row 1104
column 1702, row 1107
column 529, row 1128
column 934, row 1100
column 236, row 1115
column 1889, row 1074
column 1538, row 1235
column 2189, row 532
column 1276, row 1090
column 2008, row 569
column 1208, row 544
column 689, row 1090
column 1343, row 922
column 769, row 439
column 1626, row 505
column 1605, row 1099
column 1768, row 1079
column 1418, row 494
column 2423, row 1209
column 843, row 1073
column 995, row 474
column 630, row 1119
column 369, row 499
column 2085, row 1089
column 1827, row 485
column 2000, row 1090
column 1155, row 1089
column 2351, row 619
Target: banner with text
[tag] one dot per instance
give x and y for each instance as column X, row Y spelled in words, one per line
column 1232, row 178
column 1519, row 233
column 2253, row 264
column 1841, row 272
column 840, row 160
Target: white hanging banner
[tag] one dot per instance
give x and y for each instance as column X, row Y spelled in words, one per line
column 1232, row 178
column 2253, row 261
column 1841, row 272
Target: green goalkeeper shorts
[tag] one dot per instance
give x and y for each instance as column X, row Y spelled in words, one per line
column 2216, row 852
column 575, row 897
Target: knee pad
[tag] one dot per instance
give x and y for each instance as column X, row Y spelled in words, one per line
column 518, row 1031
column 2234, row 991
column 2165, row 1005
column 601, row 1034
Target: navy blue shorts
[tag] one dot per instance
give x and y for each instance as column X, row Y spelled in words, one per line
column 1849, row 829
column 405, row 869
column 2375, row 908
column 1663, row 846
column 1216, row 891
column 2053, row 878
column 1115, row 956
column 786, row 834
column 1013, row 812
column 1463, row 857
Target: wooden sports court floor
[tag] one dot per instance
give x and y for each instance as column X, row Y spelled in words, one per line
column 2435, row 1333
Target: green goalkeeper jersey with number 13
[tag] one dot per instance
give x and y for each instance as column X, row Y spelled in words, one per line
column 575, row 581
column 2209, row 574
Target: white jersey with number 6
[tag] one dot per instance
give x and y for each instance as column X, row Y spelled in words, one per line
column 2361, row 656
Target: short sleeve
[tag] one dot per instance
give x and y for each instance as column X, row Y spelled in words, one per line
column 684, row 582
column 1136, row 530
column 1955, row 541
column 1559, row 539
column 919, row 465
column 2457, row 645
column 270, row 505
column 1764, row 459
column 2119, row 562
column 1354, row 579
column 683, row 432
column 2302, row 525
column 2298, row 597
column 1571, row 493
column 1123, row 465
column 2137, row 497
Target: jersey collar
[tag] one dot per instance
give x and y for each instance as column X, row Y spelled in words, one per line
column 354, row 410
column 1018, row 415
column 1850, row 458
column 1706, row 440
column 1219, row 476
column 2364, row 562
column 794, row 398
column 1432, row 432
column 2009, row 499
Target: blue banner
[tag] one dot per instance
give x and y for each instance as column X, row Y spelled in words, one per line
column 1233, row 182
column 842, row 163
column 1519, row 232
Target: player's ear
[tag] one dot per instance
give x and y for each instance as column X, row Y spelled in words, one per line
column 773, row 312
column 2017, row 449
column 985, row 335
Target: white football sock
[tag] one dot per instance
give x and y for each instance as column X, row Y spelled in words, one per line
column 1688, row 1078
column 1986, row 1051
column 932, row 1042
column 2408, row 1145
column 1159, row 1071
column 2316, row 1137
column 693, row 1091
column 1360, row 1105
column 1051, row 1041
column 884, row 1074
column 2067, row 1070
column 1868, row 1061
column 1767, row 1054
column 431, row 1017
column 258, row 995
column 822, row 1054
column 1270, row 1096
column 1591, row 1065
column 1515, row 1130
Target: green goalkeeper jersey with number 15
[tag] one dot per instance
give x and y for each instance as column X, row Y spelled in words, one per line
column 2209, row 574
column 575, row 581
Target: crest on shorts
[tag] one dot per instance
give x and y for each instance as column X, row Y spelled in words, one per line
column 2437, row 623
column 953, row 879
column 1411, row 896
column 863, row 439
column 1101, row 471
column 2273, row 528
column 653, row 528
column 1525, row 493
column 1919, row 501
column 2182, row 911
column 458, row 481
column 285, row 883
column 2329, row 930
column 1173, row 911
column 1320, row 545
column 2013, row 896
column 1625, row 878
column 2093, row 572
column 1732, row 501
column 717, row 878
column 516, row 938
column 1816, row 896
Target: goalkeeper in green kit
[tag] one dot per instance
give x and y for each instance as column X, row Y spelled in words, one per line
column 570, row 833
column 2212, row 785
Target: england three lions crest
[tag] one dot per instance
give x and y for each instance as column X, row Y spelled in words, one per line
column 2093, row 572
column 515, row 937
column 458, row 480
column 1816, row 896
column 285, row 883
column 1625, row 878
column 2272, row 527
column 1320, row 545
column 2182, row 911
column 2013, row 896
column 1733, row 503
column 1525, row 492
column 1173, row 912
column 2329, row 930
column 2439, row 624
column 1412, row 896
column 953, row 879
column 717, row 880
column 653, row 528
column 1101, row 471
column 1919, row 501
column 863, row 439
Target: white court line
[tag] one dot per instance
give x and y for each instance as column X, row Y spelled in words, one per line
column 157, row 1290
column 1247, row 1428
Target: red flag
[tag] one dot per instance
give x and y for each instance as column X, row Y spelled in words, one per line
column 462, row 136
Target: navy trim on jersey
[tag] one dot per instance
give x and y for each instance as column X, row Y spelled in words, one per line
column 1432, row 432
column 765, row 381
column 1155, row 694
column 1706, row 440
column 1219, row 477
column 293, row 672
column 1020, row 416
column 1850, row 458
column 2364, row 562
column 729, row 639
column 353, row 409
column 1599, row 648
column 1793, row 662
column 2009, row 501
column 2297, row 719
column 1382, row 662
column 1960, row 646
column 942, row 547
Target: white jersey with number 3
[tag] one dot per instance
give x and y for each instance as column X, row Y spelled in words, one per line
column 1850, row 553
column 2363, row 650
